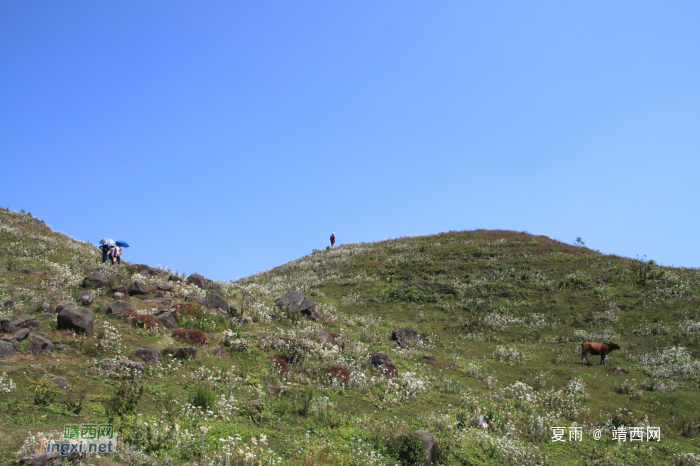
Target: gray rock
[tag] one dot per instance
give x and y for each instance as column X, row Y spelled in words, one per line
column 430, row 359
column 63, row 347
column 431, row 446
column 117, row 307
column 214, row 301
column 65, row 305
column 399, row 344
column 103, row 309
column 39, row 334
column 174, row 278
column 113, row 364
column 323, row 335
column 147, row 354
column 7, row 349
column 144, row 269
column 26, row 271
column 137, row 288
column 184, row 352
column 25, row 321
column 166, row 318
column 383, row 363
column 297, row 300
column 405, row 334
column 197, row 280
column 21, row 334
column 39, row 459
column 6, row 325
column 217, row 351
column 10, row 303
column 39, row 345
column 60, row 382
column 119, row 296
column 44, row 307
column 86, row 297
column 118, row 289
column 95, row 280
column 164, row 286
column 195, row 299
column 79, row 319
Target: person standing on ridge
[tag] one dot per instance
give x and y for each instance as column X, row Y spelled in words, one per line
column 333, row 239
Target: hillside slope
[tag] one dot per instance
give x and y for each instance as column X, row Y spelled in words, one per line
column 495, row 364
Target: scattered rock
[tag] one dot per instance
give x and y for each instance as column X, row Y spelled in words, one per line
column 39, row 345
column 117, row 307
column 144, row 269
column 617, row 370
column 118, row 289
column 103, row 309
column 195, row 299
column 166, row 318
column 59, row 382
column 21, row 334
column 449, row 367
column 39, row 334
column 430, row 359
column 7, row 349
column 405, row 334
column 297, row 300
column 38, row 459
column 191, row 336
column 63, row 347
column 160, row 294
column 245, row 320
column 383, row 363
column 118, row 361
column 45, row 307
column 78, row 319
column 311, row 372
column 137, row 288
column 147, row 354
column 86, row 298
column 430, row 444
column 218, row 351
column 25, row 321
column 10, row 303
column 26, row 271
column 174, row 278
column 164, row 286
column 326, row 336
column 184, row 352
column 197, row 280
column 36, row 367
column 119, row 296
column 95, row 280
column 215, row 301
column 65, row 305
column 399, row 344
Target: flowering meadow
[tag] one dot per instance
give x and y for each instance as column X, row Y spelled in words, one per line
column 491, row 366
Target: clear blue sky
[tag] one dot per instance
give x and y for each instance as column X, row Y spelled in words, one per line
column 229, row 137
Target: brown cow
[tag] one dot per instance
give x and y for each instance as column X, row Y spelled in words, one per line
column 597, row 349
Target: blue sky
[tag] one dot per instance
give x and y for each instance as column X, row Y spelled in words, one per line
column 227, row 138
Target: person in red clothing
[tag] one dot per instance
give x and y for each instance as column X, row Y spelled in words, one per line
column 333, row 239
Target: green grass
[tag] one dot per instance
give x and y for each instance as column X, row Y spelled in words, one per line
column 493, row 308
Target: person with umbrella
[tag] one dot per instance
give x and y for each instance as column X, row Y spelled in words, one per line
column 117, row 253
column 106, row 245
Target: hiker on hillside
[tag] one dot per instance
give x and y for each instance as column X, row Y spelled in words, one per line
column 333, row 239
column 105, row 251
column 115, row 254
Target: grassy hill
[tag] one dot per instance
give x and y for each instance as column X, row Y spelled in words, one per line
column 501, row 316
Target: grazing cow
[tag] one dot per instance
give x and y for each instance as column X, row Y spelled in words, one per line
column 597, row 349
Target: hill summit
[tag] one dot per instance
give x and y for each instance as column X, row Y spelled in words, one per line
column 461, row 348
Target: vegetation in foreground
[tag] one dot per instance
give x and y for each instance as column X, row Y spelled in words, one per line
column 501, row 316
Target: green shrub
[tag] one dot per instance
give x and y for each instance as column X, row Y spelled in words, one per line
column 204, row 398
column 407, row 449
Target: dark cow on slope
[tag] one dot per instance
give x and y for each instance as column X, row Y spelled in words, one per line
column 601, row 349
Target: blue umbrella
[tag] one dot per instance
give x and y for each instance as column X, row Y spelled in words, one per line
column 122, row 244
